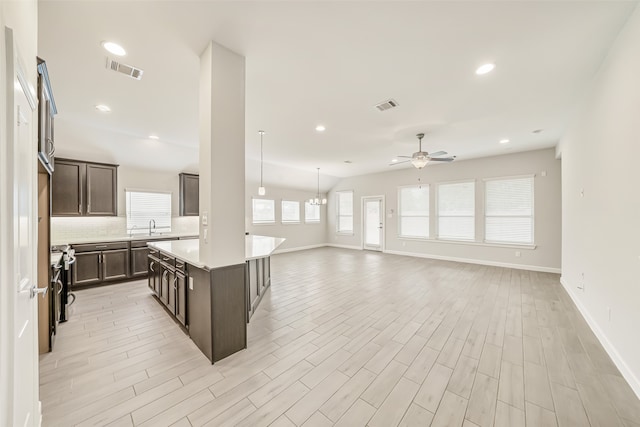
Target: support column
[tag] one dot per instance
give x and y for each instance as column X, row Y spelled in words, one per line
column 222, row 188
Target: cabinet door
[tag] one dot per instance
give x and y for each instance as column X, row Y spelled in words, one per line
column 102, row 190
column 171, row 297
column 86, row 270
column 115, row 264
column 189, row 194
column 181, row 298
column 153, row 277
column 139, row 264
column 67, row 198
column 164, row 285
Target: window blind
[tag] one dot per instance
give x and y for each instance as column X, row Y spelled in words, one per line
column 509, row 210
column 264, row 211
column 414, row 211
column 290, row 212
column 144, row 206
column 311, row 212
column 345, row 211
column 456, row 211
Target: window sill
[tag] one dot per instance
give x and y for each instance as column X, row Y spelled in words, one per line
column 471, row 243
column 344, row 233
column 263, row 223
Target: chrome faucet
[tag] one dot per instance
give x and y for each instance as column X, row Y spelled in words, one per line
column 133, row 227
column 154, row 226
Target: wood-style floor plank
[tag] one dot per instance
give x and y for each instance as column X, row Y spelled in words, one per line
column 347, row 338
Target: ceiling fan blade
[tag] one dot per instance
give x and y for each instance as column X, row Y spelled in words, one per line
column 437, row 153
column 397, row 163
column 442, row 159
column 406, row 157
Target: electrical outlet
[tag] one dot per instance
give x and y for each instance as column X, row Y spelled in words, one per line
column 543, row 173
column 517, row 253
column 204, row 218
column 190, row 283
column 404, row 243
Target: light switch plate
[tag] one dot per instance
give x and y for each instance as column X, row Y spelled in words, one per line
column 204, row 218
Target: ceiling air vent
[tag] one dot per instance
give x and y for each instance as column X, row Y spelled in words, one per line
column 387, row 105
column 133, row 72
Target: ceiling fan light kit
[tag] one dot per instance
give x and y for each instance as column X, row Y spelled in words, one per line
column 420, row 158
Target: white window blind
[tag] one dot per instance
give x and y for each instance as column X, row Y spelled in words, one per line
column 311, row 212
column 456, row 211
column 144, row 206
column 414, row 211
column 344, row 203
column 290, row 212
column 509, row 210
column 264, row 211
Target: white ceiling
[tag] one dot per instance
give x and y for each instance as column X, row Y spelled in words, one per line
column 329, row 63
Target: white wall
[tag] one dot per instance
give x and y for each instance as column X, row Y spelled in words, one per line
column 299, row 236
column 601, row 230
column 545, row 256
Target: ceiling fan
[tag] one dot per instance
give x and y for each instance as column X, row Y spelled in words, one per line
column 420, row 158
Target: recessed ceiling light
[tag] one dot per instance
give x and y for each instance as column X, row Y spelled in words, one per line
column 320, row 128
column 114, row 48
column 485, row 68
column 154, row 137
column 103, row 108
column 394, row 160
column 504, row 141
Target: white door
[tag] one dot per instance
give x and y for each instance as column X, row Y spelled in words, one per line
column 373, row 223
column 20, row 174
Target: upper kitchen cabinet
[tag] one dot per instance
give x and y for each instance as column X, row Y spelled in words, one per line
column 46, row 111
column 84, row 189
column 189, row 194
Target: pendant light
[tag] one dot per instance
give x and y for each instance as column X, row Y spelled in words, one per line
column 316, row 200
column 261, row 190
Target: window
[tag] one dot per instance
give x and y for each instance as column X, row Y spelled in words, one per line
column 311, row 212
column 146, row 205
column 344, row 202
column 414, row 211
column 264, row 211
column 456, row 211
column 290, row 212
column 509, row 210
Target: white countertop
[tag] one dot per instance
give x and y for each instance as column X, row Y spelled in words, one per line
column 125, row 238
column 188, row 250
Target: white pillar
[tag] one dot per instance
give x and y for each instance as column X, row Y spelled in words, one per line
column 221, row 157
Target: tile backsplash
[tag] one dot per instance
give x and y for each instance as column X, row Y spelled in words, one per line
column 65, row 229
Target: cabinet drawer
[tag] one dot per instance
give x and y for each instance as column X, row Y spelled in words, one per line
column 180, row 266
column 101, row 246
column 166, row 259
column 139, row 244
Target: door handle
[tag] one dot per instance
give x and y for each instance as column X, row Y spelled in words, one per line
column 35, row 291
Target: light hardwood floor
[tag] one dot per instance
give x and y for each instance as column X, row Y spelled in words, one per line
column 345, row 338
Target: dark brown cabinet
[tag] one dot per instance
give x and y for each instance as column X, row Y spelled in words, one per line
column 189, row 194
column 67, row 194
column 97, row 263
column 154, row 271
column 84, row 189
column 139, row 256
column 168, row 281
column 181, row 297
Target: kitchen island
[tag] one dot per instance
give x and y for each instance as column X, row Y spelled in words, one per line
column 212, row 304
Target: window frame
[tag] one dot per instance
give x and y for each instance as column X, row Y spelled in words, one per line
column 253, row 219
column 312, row 221
column 289, row 222
column 338, row 216
column 532, row 216
column 142, row 230
column 474, row 216
column 400, row 216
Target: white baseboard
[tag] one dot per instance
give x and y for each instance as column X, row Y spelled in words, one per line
column 617, row 359
column 335, row 245
column 477, row 261
column 298, row 248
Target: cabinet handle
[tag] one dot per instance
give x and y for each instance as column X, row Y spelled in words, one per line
column 80, row 208
column 151, row 266
column 101, row 247
column 175, row 283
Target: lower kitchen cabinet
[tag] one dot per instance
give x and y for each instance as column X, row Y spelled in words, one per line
column 96, row 263
column 139, row 263
column 181, row 298
column 168, row 281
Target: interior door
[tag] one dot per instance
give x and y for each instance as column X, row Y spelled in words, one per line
column 373, row 223
column 20, row 167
